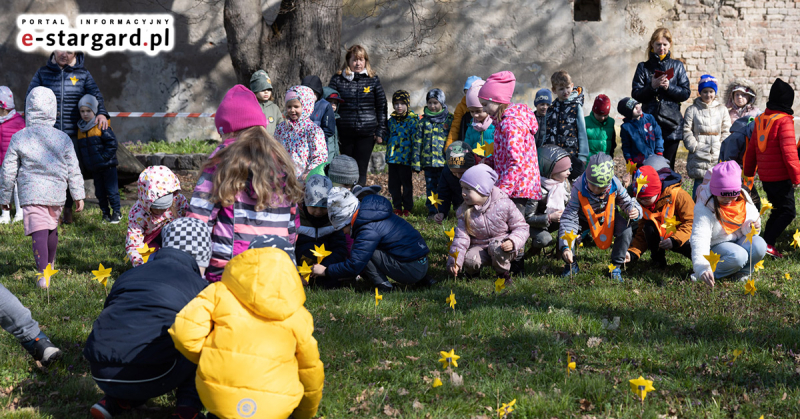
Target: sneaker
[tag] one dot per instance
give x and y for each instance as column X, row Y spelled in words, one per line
column 115, row 218
column 398, row 212
column 106, row 218
column 385, row 287
column 772, row 251
column 5, row 218
column 617, row 274
column 427, row 281
column 107, row 407
column 186, row 412
column 566, row 272
column 42, row 350
column 741, row 276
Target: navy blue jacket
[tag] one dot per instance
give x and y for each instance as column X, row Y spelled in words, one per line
column 129, row 339
column 377, row 228
column 97, row 152
column 69, row 84
column 449, row 191
column 324, row 117
column 733, row 147
column 641, row 138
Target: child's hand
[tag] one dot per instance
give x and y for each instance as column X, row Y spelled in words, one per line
column 567, row 255
column 507, row 245
column 665, row 244
column 628, row 257
column 555, row 216
column 756, row 224
column 318, row 270
column 454, row 270
column 438, row 217
column 378, row 140
column 708, row 278
column 79, row 206
column 633, row 213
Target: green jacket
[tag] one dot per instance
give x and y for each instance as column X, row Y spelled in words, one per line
column 273, row 114
column 601, row 135
column 430, row 140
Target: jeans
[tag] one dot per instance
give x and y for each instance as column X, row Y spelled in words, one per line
column 180, row 377
column 400, row 186
column 781, row 195
column 737, row 256
column 359, row 148
column 15, row 318
column 432, row 175
column 382, row 264
column 106, row 189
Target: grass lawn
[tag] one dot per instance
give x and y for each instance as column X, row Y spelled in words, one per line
column 380, row 362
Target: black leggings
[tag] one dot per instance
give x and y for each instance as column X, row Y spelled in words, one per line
column 671, row 151
column 359, row 148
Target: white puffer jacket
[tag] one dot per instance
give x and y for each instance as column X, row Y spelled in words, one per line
column 704, row 128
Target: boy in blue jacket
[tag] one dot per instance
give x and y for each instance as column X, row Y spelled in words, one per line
column 383, row 243
column 640, row 133
column 97, row 153
column 316, row 229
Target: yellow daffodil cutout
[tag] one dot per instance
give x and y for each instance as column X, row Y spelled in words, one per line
column 758, row 266
column 796, row 239
column 320, row 252
column 449, row 358
column 713, row 260
column 569, row 237
column 751, row 233
column 630, row 167
column 505, row 409
column 378, row 297
column 500, row 284
column 145, row 251
column 611, row 268
column 102, row 274
column 48, row 272
column 435, row 201
column 787, row 276
column 488, row 149
column 750, row 287
column 765, row 206
column 478, row 150
column 304, row 270
column 640, row 387
column 570, row 364
column 73, row 79
column 451, row 234
column 367, row 89
column 454, row 254
column 641, row 181
column 437, row 382
column 451, row 300
column 736, row 353
column 671, row 225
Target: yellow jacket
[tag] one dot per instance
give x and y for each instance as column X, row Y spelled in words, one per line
column 252, row 339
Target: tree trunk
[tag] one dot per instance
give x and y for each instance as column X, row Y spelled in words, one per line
column 304, row 40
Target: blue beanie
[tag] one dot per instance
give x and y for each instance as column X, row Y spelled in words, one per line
column 470, row 80
column 543, row 96
column 707, row 80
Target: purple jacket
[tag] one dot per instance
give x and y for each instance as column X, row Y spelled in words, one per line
column 498, row 218
column 7, row 129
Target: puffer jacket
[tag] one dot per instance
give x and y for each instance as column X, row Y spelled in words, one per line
column 566, row 125
column 97, row 149
column 514, row 157
column 252, row 340
column 449, row 188
column 733, row 147
column 749, row 110
column 704, row 128
column 456, row 130
column 679, row 89
column 601, row 136
column 69, row 84
column 641, row 138
column 363, row 112
column 779, row 160
column 498, row 218
column 683, row 212
column 314, row 231
column 40, row 158
column 475, row 138
column 376, row 227
column 400, row 146
column 548, row 156
column 430, row 140
column 8, row 129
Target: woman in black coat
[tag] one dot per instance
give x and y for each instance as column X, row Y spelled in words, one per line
column 362, row 114
column 661, row 84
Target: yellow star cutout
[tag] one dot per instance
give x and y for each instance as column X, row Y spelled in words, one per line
column 751, row 233
column 102, row 274
column 488, row 149
column 367, row 89
column 73, row 79
column 787, row 276
column 671, row 225
column 750, row 287
column 378, row 297
column 765, row 206
column 437, row 382
column 451, row 300
column 449, row 358
column 570, row 364
column 454, row 254
column 630, row 167
column 569, row 237
column 641, row 181
column 796, row 239
column 505, row 409
column 435, row 201
column 640, row 387
column 758, row 266
column 736, row 353
column 304, row 270
column 320, row 252
column 145, row 251
column 48, row 272
column 500, row 284
column 451, row 234
column 478, row 150
column 713, row 260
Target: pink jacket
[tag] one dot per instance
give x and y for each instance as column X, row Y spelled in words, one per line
column 515, row 159
column 498, row 218
column 7, row 129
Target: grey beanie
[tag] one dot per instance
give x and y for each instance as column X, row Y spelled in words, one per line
column 260, row 81
column 343, row 170
column 600, row 170
column 271, row 240
column 342, row 204
column 88, row 101
column 163, row 202
column 189, row 235
column 317, row 189
column 656, row 162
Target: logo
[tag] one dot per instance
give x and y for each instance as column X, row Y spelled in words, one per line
column 246, row 408
column 271, row 119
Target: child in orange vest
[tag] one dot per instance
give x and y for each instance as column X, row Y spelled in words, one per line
column 592, row 206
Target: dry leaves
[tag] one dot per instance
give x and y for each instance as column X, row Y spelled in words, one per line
column 593, row 342
column 456, row 379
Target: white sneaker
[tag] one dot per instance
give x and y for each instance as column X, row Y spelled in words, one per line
column 18, row 217
column 5, row 218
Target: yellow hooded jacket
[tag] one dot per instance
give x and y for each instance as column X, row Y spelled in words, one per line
column 252, row 339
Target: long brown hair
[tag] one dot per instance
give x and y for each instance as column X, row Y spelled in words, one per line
column 500, row 111
column 658, row 34
column 260, row 160
column 358, row 51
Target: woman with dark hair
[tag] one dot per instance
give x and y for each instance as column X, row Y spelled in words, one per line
column 362, row 114
column 661, row 84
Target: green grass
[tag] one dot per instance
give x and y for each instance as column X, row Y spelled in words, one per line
column 380, row 361
column 184, row 146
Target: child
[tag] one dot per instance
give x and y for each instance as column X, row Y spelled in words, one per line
column 261, row 85
column 490, row 230
column 97, row 152
column 432, row 132
column 662, row 198
column 640, row 133
column 315, row 227
column 741, row 97
column 461, row 116
column 705, row 124
column 42, row 161
column 593, row 204
column 600, row 131
column 245, row 190
column 542, row 102
column 251, row 338
column 481, row 130
column 723, row 216
column 773, row 151
column 323, row 115
column 333, row 97
column 17, row 320
column 459, row 159
column 304, row 140
column 400, row 153
column 554, row 167
column 160, row 202
column 10, row 123
column 131, row 355
column 383, row 243
column 238, row 113
column 566, row 126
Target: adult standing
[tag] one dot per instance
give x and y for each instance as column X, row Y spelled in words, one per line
column 66, row 76
column 362, row 114
column 661, row 84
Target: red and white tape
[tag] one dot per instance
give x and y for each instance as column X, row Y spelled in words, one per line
column 160, row 115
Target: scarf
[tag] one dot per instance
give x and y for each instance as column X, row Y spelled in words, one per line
column 733, row 215
column 556, row 195
column 349, row 75
column 86, row 126
column 400, row 116
column 482, row 126
column 10, row 115
column 437, row 117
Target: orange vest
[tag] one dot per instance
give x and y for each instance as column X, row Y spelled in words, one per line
column 601, row 233
column 666, row 212
column 762, row 126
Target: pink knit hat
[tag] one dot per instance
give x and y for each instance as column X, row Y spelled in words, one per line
column 238, row 110
column 499, row 87
column 481, row 178
column 472, row 94
column 726, row 179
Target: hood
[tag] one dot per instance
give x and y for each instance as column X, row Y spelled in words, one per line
column 373, row 208
column 265, row 281
column 307, row 100
column 728, row 98
column 743, row 125
column 549, row 155
column 41, row 107
column 174, row 257
column 79, row 59
column 522, row 113
column 314, row 83
column 576, row 95
column 669, row 178
column 155, row 182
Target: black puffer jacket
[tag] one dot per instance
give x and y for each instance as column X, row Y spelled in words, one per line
column 363, row 112
column 69, row 84
column 96, row 149
column 678, row 91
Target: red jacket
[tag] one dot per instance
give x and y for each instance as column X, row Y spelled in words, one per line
column 779, row 160
column 7, row 129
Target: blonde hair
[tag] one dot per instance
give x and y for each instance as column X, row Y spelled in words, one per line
column 259, row 160
column 360, row 52
column 560, row 78
column 500, row 111
column 467, row 222
column 658, row 34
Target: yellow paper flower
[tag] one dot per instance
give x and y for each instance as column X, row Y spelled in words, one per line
column 451, row 234
column 796, row 239
column 435, row 201
column 367, row 89
column 671, row 225
column 505, row 409
column 145, row 251
column 750, row 287
column 570, row 364
column 451, row 300
column 454, row 254
column 751, row 233
column 437, row 382
column 320, row 252
column 378, row 297
column 102, row 274
column 48, row 272
column 478, row 150
column 611, row 268
column 569, row 237
column 765, row 206
column 758, row 266
column 713, row 260
column 630, row 167
column 736, row 353
column 449, row 358
column 641, row 181
column 500, row 284
column 787, row 276
column 640, row 387
column 304, row 270
column 488, row 149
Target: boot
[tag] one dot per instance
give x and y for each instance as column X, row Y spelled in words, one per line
column 518, row 267
column 42, row 350
column 67, row 216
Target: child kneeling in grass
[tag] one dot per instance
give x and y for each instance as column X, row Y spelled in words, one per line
column 315, row 226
